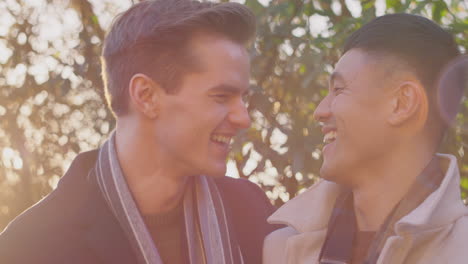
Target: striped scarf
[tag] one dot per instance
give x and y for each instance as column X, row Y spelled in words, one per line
column 210, row 238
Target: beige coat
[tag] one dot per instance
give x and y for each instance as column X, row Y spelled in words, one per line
column 436, row 232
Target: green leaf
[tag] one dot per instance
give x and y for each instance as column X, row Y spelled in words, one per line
column 464, row 183
column 395, row 4
column 368, row 4
column 439, row 9
column 302, row 69
column 255, row 6
column 95, row 20
column 309, row 9
column 419, row 7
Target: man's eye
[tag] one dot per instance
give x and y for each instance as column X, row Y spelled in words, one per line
column 337, row 90
column 221, row 97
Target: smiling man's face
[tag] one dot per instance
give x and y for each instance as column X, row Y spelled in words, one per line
column 196, row 125
column 353, row 115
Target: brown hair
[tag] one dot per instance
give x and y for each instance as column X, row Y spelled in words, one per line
column 152, row 36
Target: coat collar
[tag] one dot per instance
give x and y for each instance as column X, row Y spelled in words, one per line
column 311, row 210
column 441, row 207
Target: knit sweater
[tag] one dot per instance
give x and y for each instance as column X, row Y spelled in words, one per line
column 167, row 231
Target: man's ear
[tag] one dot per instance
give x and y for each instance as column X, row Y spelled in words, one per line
column 144, row 95
column 409, row 102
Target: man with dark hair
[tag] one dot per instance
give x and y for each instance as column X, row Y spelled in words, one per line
column 386, row 196
column 175, row 73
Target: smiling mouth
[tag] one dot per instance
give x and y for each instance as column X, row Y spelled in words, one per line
column 329, row 137
column 221, row 139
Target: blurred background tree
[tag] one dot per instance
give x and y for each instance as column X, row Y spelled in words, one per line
column 52, row 105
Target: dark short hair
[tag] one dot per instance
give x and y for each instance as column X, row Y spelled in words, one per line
column 421, row 44
column 152, row 38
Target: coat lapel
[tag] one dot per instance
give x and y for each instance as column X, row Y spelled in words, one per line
column 305, row 247
column 301, row 214
column 107, row 240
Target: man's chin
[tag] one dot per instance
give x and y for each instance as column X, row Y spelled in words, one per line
column 329, row 172
column 336, row 175
column 216, row 171
column 215, row 175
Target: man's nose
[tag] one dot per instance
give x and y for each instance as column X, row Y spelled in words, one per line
column 322, row 112
column 239, row 116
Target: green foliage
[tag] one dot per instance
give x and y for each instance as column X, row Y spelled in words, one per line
column 292, row 64
column 439, row 10
column 55, row 108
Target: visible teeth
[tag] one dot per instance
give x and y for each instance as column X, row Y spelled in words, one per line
column 221, row 139
column 329, row 137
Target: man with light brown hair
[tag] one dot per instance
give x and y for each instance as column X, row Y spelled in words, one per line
column 175, row 73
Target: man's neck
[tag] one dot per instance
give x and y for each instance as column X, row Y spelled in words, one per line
column 386, row 185
column 155, row 185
